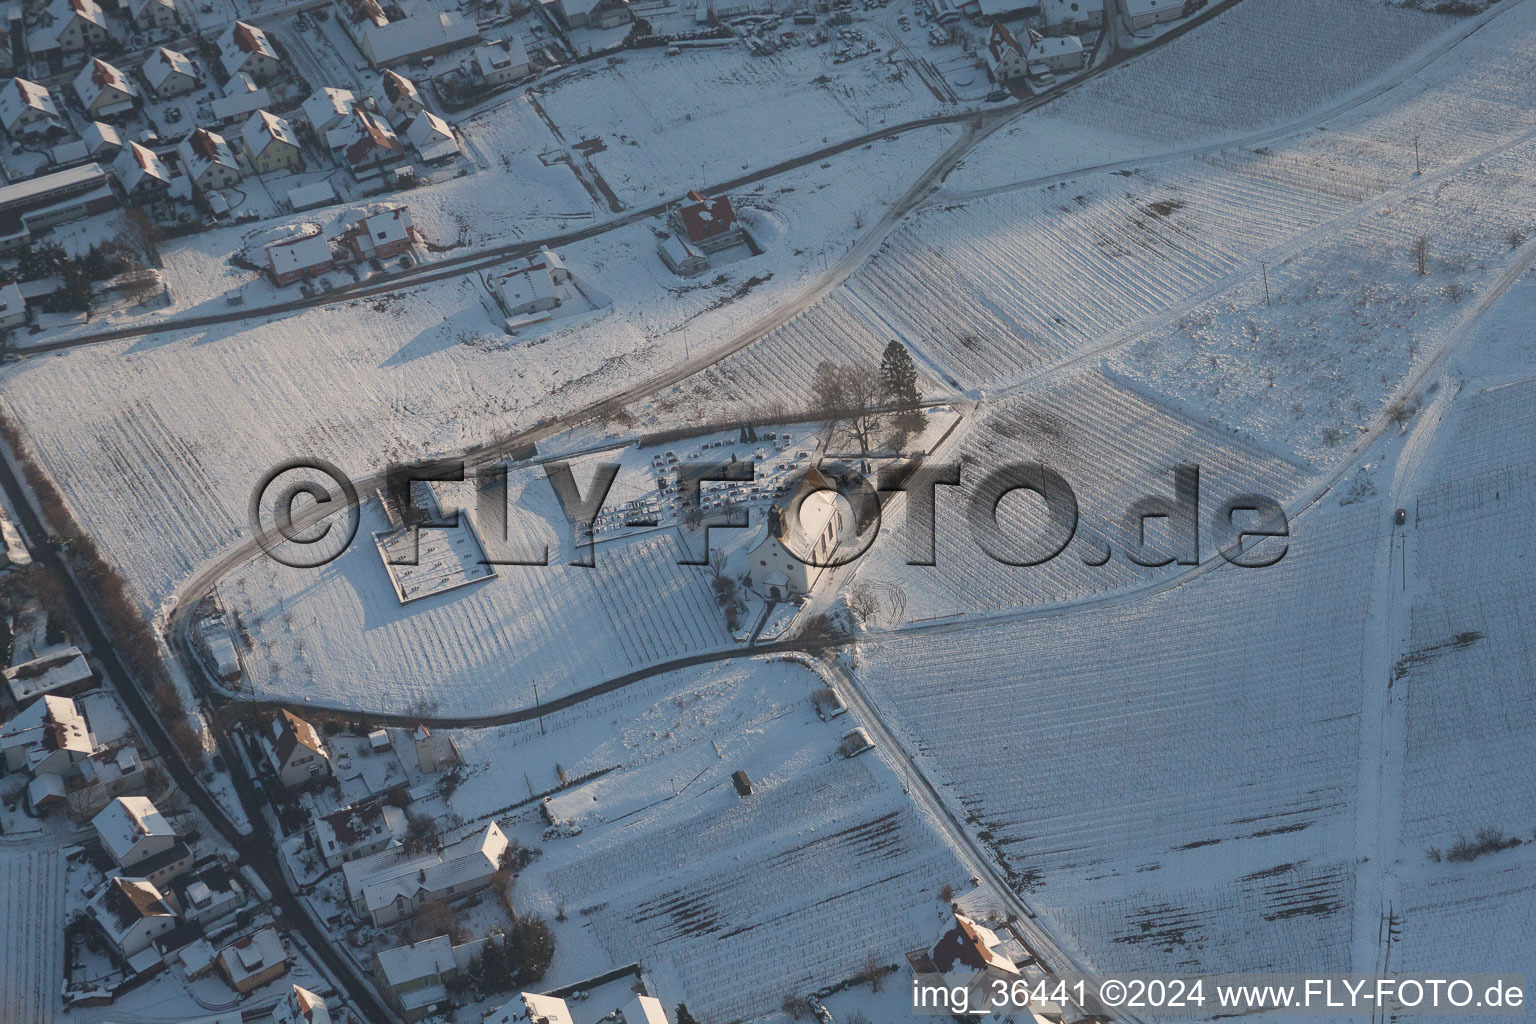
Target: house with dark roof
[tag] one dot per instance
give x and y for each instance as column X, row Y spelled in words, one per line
column 104, row 91
column 132, row 914
column 1004, row 55
column 399, row 99
column 141, row 173
column 365, row 144
column 209, row 160
column 357, row 831
column 246, row 48
column 708, row 223
column 297, row 753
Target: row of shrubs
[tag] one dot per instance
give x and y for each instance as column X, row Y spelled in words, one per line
column 108, row 594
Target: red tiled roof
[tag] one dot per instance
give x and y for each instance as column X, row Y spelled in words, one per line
column 705, row 218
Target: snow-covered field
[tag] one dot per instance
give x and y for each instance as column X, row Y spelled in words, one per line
column 1262, row 63
column 164, row 437
column 32, row 941
column 1170, row 777
column 732, row 903
column 1112, row 447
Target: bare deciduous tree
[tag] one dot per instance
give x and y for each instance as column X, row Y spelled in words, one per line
column 852, row 394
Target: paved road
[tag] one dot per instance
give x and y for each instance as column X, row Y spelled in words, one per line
column 258, row 849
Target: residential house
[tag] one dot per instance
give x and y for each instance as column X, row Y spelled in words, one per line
column 254, row 960
column 301, row 1006
column 411, row 39
column 593, row 13
column 365, row 144
column 141, row 173
column 170, row 73
column 246, row 48
column 1051, row 54
column 71, row 26
column 288, row 262
column 776, row 561
column 152, row 14
column 530, row 1008
column 1140, row 15
column 533, row 287
column 28, row 112
column 1071, row 17
column 104, row 91
column 50, row 736
column 297, row 752
column 140, row 840
column 1004, row 56
column 209, row 161
column 432, row 138
column 399, row 99
column 382, row 235
column 242, row 98
column 209, row 894
column 708, row 222
column 392, row 885
column 328, row 108
column 104, row 775
column 61, row 671
column 968, row 958
column 270, row 144
column 500, row 61
column 357, row 831
column 133, row 913
column 682, row 257
column 413, row 978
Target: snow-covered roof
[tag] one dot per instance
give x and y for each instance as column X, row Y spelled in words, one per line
column 386, row 226
column 1002, row 42
column 643, row 1010
column 99, row 77
column 165, row 63
column 501, row 54
column 138, row 7
column 126, row 821
column 136, row 164
column 55, row 668
column 405, row 964
column 301, row 1006
column 203, row 150
column 328, row 106
column 294, row 256
column 432, row 136
column 362, row 136
column 124, row 902
column 241, row 96
column 1054, row 46
column 252, row 954
column 307, row 197
column 265, row 128
column 397, row 87
column 545, row 1009
column 20, row 96
column 474, row 857
column 240, row 42
column 418, row 34
column 358, row 825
